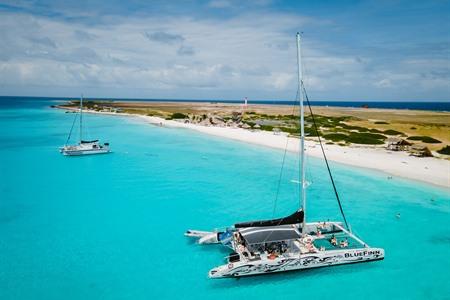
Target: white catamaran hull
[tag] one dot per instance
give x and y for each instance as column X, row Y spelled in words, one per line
column 83, row 152
column 294, row 262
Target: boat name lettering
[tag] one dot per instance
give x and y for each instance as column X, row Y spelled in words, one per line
column 362, row 253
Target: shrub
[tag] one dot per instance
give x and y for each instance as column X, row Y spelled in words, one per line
column 381, row 122
column 392, row 132
column 366, row 138
column 335, row 137
column 350, row 127
column 425, row 139
column 266, row 127
column 369, row 135
column 445, row 150
column 375, row 131
column 290, row 130
column 178, row 115
column 311, row 131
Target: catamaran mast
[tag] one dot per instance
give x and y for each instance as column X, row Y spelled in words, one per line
column 81, row 118
column 302, row 135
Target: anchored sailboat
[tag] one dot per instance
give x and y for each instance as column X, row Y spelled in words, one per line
column 83, row 147
column 289, row 243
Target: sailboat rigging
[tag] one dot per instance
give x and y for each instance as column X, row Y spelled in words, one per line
column 289, row 243
column 83, row 147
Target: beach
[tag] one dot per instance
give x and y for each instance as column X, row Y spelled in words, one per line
column 430, row 170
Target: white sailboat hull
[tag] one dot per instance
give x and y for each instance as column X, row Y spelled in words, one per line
column 84, row 152
column 292, row 262
column 85, row 149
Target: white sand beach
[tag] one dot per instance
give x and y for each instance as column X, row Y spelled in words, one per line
column 431, row 170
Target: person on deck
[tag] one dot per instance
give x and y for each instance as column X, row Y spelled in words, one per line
column 344, row 243
column 333, row 240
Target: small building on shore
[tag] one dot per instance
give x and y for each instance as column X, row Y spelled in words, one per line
column 397, row 144
column 420, row 151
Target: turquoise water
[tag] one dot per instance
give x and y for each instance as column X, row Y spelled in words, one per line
column 111, row 226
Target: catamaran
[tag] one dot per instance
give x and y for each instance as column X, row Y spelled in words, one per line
column 289, row 243
column 83, row 147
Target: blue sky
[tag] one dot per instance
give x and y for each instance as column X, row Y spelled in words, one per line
column 225, row 49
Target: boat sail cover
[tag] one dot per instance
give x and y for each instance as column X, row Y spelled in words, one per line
column 295, row 218
column 89, row 142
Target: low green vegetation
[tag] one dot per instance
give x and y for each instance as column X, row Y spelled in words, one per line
column 392, row 132
column 445, row 150
column 381, row 122
column 366, row 138
column 333, row 129
column 335, row 137
column 178, row 115
column 375, row 131
column 356, row 138
column 425, row 139
column 351, row 127
column 266, row 127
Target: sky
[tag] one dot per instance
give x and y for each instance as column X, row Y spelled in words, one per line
column 226, row 49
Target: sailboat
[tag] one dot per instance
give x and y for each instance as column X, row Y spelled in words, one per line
column 83, row 147
column 289, row 243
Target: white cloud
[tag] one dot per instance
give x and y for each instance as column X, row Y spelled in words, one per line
column 250, row 54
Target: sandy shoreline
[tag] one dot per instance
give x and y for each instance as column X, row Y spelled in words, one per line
column 428, row 169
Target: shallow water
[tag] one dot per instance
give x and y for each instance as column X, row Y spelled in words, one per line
column 111, row 226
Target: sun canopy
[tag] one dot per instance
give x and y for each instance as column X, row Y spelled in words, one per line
column 295, row 218
column 259, row 235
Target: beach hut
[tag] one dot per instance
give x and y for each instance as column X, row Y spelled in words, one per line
column 397, row 144
column 257, row 127
column 420, row 151
column 246, row 126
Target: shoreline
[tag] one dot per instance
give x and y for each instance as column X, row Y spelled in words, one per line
column 430, row 170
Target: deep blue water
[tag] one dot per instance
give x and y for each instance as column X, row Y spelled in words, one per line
column 111, row 226
column 425, row 105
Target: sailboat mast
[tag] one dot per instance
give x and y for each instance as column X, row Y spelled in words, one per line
column 81, row 118
column 302, row 135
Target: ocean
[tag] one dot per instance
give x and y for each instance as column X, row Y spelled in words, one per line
column 111, row 226
column 412, row 105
